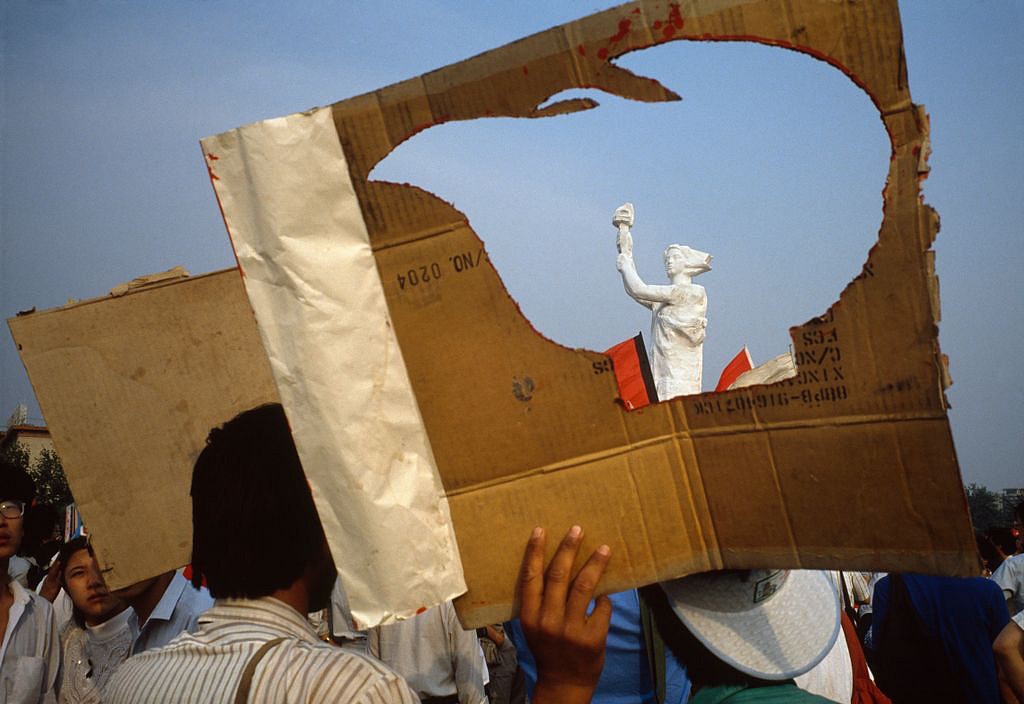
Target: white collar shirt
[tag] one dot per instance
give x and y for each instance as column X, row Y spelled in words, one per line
column 30, row 652
column 434, row 653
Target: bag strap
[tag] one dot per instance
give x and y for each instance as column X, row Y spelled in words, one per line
column 655, row 647
column 245, row 683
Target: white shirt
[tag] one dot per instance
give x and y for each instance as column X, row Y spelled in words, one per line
column 178, row 610
column 434, row 654
column 1010, row 578
column 30, row 652
column 832, row 678
column 206, row 666
column 18, row 568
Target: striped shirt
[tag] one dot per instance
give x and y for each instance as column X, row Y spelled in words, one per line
column 206, row 666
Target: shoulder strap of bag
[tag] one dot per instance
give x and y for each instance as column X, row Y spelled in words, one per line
column 245, row 684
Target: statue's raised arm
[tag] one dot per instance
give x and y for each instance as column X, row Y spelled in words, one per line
column 639, row 291
column 678, row 309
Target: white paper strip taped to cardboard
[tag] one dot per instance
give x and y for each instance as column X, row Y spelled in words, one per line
column 310, row 275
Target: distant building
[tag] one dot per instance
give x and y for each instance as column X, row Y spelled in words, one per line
column 34, row 438
column 1012, row 497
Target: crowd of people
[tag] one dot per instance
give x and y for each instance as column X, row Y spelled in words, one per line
column 260, row 616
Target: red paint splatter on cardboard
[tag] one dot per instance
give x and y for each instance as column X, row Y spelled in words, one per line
column 622, row 33
column 581, row 49
column 602, row 53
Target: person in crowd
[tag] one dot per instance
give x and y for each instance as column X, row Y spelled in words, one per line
column 1010, row 575
column 342, row 628
column 258, row 542
column 99, row 636
column 745, row 634
column 164, row 606
column 508, row 684
column 633, row 673
column 991, row 555
column 1009, row 651
column 932, row 638
column 441, row 661
column 30, row 649
column 832, row 678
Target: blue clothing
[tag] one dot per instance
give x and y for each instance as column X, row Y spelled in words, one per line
column 626, row 677
column 964, row 616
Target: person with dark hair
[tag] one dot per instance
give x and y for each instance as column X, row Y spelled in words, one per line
column 30, row 650
column 258, row 543
column 99, row 636
column 931, row 638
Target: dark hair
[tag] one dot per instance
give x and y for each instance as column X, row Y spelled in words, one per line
column 1018, row 510
column 66, row 551
column 254, row 526
column 15, row 484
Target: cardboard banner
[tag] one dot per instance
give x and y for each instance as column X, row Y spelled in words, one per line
column 849, row 464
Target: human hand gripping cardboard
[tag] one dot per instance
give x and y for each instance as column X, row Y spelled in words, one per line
column 567, row 643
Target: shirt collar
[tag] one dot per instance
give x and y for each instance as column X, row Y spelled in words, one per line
column 266, row 611
column 19, row 592
column 165, row 607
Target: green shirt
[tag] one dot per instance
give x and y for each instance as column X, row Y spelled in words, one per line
column 782, row 693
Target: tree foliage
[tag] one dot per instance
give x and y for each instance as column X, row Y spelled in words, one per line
column 46, row 471
column 986, row 507
column 51, row 485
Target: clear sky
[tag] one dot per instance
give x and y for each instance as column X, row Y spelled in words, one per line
column 773, row 162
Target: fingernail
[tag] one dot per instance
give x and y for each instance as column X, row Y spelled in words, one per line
column 575, row 532
column 604, row 551
column 537, row 532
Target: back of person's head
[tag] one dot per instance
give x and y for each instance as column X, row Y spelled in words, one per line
column 15, row 484
column 255, row 528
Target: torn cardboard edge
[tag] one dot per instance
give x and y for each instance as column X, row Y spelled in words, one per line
column 861, row 430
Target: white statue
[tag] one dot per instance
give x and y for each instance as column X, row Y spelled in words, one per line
column 678, row 310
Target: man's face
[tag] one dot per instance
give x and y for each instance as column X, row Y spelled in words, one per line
column 12, row 529
column 87, row 589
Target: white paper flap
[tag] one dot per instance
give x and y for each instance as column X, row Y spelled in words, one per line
column 300, row 239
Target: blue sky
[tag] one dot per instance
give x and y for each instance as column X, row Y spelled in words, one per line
column 773, row 162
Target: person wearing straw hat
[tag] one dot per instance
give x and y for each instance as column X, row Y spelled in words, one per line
column 747, row 633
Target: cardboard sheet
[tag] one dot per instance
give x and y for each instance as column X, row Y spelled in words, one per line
column 849, row 464
column 130, row 386
column 295, row 224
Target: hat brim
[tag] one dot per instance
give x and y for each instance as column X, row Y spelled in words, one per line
column 778, row 639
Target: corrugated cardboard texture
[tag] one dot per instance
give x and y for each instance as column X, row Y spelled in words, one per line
column 130, row 386
column 850, row 464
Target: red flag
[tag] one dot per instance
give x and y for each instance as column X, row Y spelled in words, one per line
column 739, row 364
column 633, row 373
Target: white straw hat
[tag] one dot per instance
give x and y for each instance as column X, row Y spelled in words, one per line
column 771, row 624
